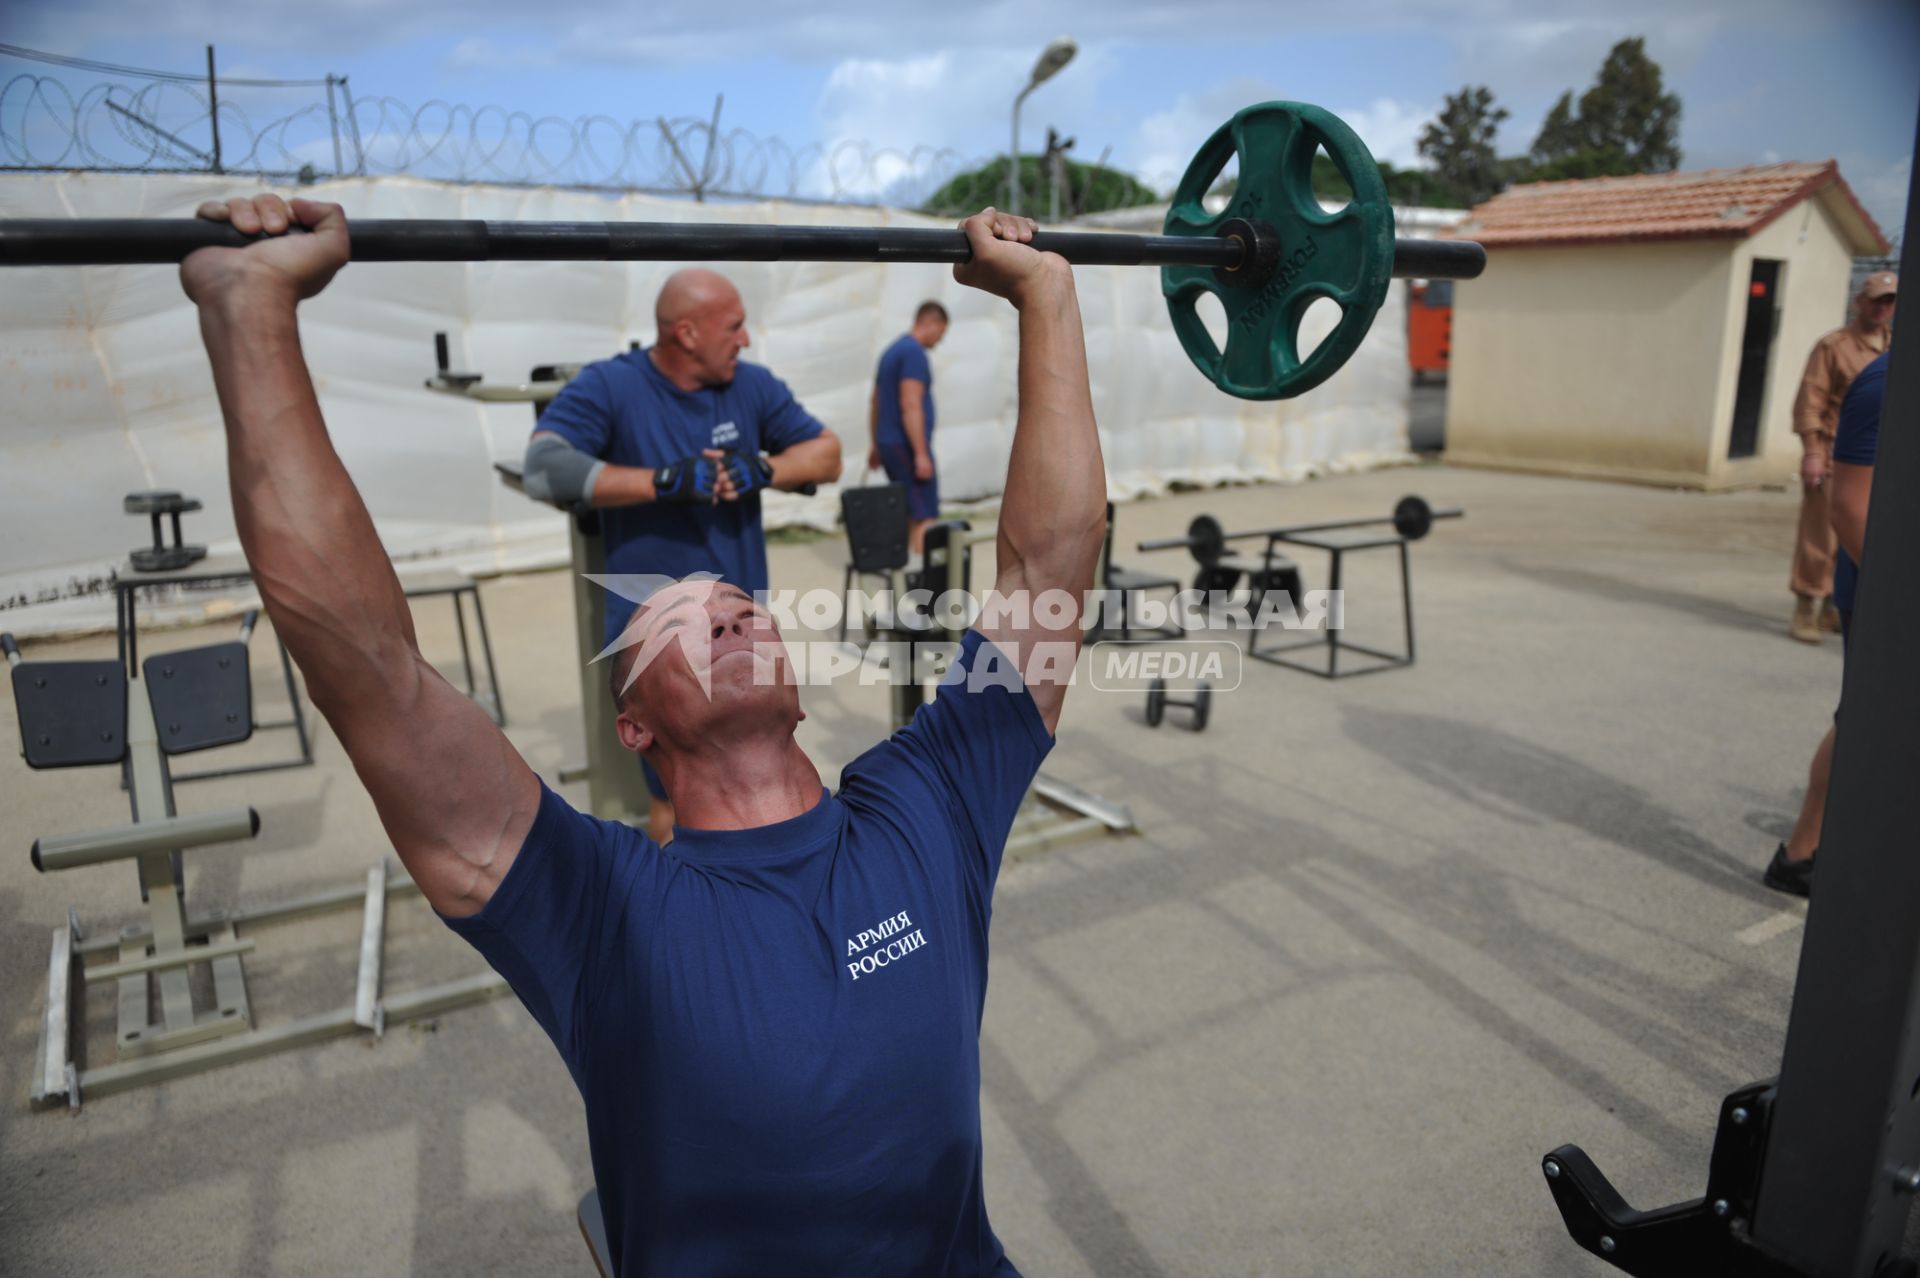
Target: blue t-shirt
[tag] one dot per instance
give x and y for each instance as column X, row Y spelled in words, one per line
column 776, row 1031
column 623, row 410
column 1855, row 440
column 905, row 359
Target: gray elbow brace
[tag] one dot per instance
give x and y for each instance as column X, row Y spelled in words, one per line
column 557, row 472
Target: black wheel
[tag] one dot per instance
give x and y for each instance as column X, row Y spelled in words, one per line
column 1156, row 702
column 1202, row 703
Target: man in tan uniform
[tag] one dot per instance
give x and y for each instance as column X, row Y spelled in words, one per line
column 1836, row 360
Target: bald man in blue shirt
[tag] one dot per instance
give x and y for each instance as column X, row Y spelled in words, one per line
column 674, row 444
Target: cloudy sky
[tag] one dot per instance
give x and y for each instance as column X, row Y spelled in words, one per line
column 1760, row 80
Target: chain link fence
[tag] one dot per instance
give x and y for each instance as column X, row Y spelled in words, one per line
column 61, row 114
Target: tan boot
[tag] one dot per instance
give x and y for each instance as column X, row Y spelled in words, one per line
column 1830, row 618
column 1806, row 619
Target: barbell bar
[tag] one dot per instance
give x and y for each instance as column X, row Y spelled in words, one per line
column 132, row 241
column 1412, row 518
column 1268, row 255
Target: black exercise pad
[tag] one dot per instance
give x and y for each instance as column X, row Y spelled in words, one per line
column 201, row 697
column 876, row 526
column 72, row 713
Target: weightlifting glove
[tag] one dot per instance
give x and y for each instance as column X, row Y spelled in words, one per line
column 689, row 481
column 750, row 472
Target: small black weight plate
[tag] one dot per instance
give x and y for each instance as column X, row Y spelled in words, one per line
column 1208, row 537
column 1412, row 518
column 1202, row 706
column 157, row 501
column 166, row 558
column 1156, row 702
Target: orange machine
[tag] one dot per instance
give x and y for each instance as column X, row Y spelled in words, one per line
column 1429, row 327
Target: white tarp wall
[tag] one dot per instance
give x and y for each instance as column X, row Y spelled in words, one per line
column 104, row 387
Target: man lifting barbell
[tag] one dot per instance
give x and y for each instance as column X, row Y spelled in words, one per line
column 774, row 1024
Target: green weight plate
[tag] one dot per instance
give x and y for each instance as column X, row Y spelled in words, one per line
column 1346, row 255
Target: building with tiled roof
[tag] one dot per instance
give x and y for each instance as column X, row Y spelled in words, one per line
column 1651, row 327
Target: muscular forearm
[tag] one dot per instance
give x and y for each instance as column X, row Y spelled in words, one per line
column 319, row 565
column 622, row 486
column 1054, row 511
column 816, row 461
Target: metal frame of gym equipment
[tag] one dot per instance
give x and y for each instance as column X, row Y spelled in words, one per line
column 80, row 713
column 1412, row 520
column 205, row 572
column 1119, row 585
column 1054, row 812
column 616, row 787
column 1338, row 543
column 1815, row 1172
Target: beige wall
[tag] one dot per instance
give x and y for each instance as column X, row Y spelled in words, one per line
column 1813, row 301
column 1621, row 361
column 1597, row 361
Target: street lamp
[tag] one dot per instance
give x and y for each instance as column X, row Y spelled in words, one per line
column 1052, row 58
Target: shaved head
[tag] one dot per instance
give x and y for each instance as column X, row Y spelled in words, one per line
column 689, row 292
column 702, row 326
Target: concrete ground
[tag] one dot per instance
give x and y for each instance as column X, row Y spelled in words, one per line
column 1382, row 943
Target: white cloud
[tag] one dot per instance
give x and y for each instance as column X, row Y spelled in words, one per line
column 1391, row 128
column 895, row 125
column 1166, row 141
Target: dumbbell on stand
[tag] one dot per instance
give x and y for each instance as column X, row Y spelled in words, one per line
column 1158, row 701
column 161, row 557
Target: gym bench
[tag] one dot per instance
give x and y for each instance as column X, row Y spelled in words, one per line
column 86, row 713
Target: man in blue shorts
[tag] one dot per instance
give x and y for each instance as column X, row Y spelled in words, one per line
column 774, row 1021
column 674, row 443
column 901, row 418
column 1855, row 441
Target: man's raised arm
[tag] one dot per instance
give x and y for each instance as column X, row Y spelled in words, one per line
column 1053, row 514
column 455, row 797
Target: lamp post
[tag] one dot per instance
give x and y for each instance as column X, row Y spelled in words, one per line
column 1052, row 58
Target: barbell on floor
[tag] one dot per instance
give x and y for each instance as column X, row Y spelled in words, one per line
column 1268, row 255
column 1412, row 518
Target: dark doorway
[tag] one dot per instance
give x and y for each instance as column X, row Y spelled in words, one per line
column 1756, row 351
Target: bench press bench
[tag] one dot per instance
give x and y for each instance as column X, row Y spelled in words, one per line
column 98, row 713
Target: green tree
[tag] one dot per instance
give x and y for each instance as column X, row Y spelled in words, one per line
column 1459, row 143
column 1407, row 187
column 1625, row 123
column 1089, row 188
column 1559, row 133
